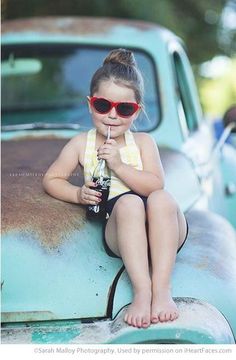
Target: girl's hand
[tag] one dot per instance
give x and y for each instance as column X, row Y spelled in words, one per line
column 110, row 152
column 87, row 196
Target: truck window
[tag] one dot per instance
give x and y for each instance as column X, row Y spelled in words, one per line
column 187, row 114
column 50, row 82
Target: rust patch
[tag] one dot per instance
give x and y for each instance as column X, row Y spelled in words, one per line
column 72, row 25
column 25, row 205
column 28, row 316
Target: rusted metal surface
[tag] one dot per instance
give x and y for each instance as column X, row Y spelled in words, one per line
column 28, row 316
column 25, row 205
column 72, row 25
column 47, row 243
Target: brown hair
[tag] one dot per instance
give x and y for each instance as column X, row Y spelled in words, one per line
column 119, row 66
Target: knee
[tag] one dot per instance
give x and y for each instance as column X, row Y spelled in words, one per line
column 129, row 205
column 161, row 201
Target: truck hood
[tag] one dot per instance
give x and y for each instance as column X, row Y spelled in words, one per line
column 53, row 262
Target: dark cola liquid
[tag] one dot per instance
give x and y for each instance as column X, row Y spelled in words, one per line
column 98, row 212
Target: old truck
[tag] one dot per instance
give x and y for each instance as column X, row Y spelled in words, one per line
column 58, row 284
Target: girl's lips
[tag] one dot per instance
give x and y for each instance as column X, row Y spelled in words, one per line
column 112, row 125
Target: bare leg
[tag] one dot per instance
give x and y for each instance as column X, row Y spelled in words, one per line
column 167, row 230
column 126, row 236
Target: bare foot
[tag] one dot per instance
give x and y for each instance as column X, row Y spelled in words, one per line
column 163, row 307
column 138, row 313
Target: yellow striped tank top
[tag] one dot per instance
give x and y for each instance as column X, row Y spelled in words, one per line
column 130, row 155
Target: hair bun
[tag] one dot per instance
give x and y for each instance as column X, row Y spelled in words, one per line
column 120, row 56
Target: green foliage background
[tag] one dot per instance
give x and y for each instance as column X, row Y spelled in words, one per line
column 197, row 22
column 194, row 21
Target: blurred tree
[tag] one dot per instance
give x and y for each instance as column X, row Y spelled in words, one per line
column 3, row 9
column 218, row 93
column 227, row 28
column 196, row 22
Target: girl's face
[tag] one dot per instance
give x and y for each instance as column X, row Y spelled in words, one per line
column 116, row 93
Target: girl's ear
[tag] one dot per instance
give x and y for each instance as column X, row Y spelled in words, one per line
column 89, row 106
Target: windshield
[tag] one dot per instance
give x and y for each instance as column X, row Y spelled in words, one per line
column 48, row 84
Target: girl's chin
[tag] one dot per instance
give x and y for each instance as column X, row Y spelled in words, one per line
column 102, row 132
column 114, row 131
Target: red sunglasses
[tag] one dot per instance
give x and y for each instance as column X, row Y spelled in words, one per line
column 104, row 106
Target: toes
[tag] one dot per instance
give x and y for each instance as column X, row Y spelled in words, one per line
column 155, row 319
column 139, row 322
column 133, row 321
column 130, row 320
column 145, row 323
column 162, row 316
column 168, row 316
column 138, row 319
column 174, row 316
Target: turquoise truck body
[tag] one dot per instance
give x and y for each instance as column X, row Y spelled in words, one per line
column 58, row 283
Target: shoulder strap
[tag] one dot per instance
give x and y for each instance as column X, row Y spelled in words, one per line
column 90, row 145
column 132, row 151
column 129, row 138
column 91, row 139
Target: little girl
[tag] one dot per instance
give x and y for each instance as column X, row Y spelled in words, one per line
column 145, row 227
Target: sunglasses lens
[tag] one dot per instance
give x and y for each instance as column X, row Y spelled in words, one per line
column 102, row 105
column 126, row 109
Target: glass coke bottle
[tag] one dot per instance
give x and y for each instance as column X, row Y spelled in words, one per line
column 102, row 179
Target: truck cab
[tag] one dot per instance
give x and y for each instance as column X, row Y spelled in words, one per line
column 58, row 283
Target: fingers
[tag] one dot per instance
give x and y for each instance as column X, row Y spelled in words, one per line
column 109, row 152
column 108, row 144
column 90, row 184
column 88, row 195
column 105, row 147
column 106, row 150
column 103, row 152
column 111, row 142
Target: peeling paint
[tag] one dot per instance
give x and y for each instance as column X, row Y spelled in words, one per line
column 7, row 317
column 197, row 321
column 25, row 206
column 70, row 25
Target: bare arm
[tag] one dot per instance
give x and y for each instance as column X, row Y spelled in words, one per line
column 144, row 181
column 55, row 181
